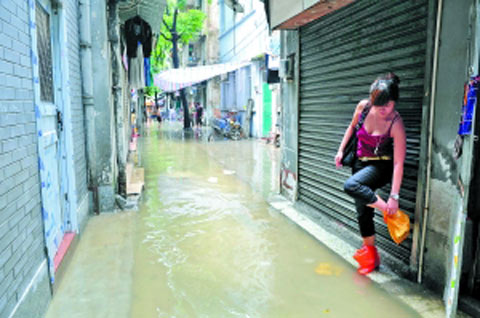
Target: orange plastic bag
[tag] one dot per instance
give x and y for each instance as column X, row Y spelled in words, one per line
column 398, row 225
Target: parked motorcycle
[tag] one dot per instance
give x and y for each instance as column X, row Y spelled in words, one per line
column 227, row 128
column 235, row 131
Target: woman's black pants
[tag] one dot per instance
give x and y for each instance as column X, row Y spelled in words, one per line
column 366, row 178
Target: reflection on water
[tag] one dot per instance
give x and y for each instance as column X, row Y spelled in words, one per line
column 204, row 239
column 209, row 246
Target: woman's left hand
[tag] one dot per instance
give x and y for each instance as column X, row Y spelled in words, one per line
column 392, row 206
column 338, row 159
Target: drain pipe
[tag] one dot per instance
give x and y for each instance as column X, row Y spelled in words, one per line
column 117, row 90
column 87, row 99
column 430, row 141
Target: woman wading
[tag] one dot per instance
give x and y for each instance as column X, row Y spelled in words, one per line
column 379, row 160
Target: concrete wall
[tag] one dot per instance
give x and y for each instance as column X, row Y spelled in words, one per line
column 289, row 124
column 213, row 96
column 104, row 143
column 78, row 161
column 282, row 10
column 22, row 259
column 452, row 75
column 212, row 31
column 257, row 96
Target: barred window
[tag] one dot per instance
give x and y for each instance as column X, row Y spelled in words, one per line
column 44, row 47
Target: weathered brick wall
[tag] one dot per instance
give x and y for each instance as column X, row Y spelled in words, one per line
column 21, row 233
column 71, row 17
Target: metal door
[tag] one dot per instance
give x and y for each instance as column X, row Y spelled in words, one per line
column 267, row 111
column 341, row 54
column 46, row 67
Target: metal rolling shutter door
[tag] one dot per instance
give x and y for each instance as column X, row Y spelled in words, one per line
column 341, row 54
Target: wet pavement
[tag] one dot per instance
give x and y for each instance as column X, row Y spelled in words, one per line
column 207, row 243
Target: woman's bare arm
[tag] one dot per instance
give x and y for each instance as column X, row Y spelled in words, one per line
column 399, row 153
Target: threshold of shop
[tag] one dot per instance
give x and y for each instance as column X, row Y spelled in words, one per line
column 63, row 256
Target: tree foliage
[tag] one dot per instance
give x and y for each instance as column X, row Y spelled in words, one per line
column 189, row 25
column 180, row 25
column 151, row 90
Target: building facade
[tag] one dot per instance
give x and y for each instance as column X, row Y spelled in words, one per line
column 244, row 37
column 211, row 52
column 205, row 51
column 44, row 197
column 65, row 130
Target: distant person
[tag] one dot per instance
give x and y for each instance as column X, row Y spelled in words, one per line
column 172, row 114
column 153, row 114
column 198, row 114
column 159, row 116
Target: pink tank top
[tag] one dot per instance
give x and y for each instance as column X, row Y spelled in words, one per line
column 374, row 145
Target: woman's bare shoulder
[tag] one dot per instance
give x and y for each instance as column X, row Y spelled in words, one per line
column 397, row 125
column 397, row 118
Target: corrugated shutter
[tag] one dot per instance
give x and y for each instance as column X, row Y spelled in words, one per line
column 341, row 54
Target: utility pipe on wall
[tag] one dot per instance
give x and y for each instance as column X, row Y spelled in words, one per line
column 117, row 90
column 430, row 140
column 87, row 94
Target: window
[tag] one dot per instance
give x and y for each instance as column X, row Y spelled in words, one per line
column 44, row 47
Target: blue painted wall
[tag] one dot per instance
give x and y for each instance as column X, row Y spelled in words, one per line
column 242, row 35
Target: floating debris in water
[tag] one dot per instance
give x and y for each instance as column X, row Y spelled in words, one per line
column 213, row 180
column 228, row 172
column 326, row 269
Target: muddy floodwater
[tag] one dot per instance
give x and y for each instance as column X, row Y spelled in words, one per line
column 207, row 244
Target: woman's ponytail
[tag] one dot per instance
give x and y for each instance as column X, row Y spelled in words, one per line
column 385, row 88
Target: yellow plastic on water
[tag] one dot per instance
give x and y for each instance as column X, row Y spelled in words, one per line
column 327, row 269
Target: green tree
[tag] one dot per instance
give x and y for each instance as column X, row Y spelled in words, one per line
column 180, row 26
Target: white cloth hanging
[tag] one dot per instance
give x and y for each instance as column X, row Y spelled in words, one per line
column 136, row 70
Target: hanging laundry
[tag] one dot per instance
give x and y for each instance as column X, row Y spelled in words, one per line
column 136, row 69
column 138, row 30
column 147, row 71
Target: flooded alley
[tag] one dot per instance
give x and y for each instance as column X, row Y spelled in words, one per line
column 205, row 243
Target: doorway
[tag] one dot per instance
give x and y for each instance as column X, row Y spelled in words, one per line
column 49, row 109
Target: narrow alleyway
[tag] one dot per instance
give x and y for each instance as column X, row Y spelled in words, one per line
column 205, row 243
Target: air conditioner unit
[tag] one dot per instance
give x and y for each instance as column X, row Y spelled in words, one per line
column 286, row 68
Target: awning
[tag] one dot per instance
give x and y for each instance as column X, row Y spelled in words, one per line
column 283, row 15
column 176, row 79
column 149, row 10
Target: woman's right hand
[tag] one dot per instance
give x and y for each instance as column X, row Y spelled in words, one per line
column 338, row 159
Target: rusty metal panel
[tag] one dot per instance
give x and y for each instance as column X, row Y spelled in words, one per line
column 340, row 56
column 293, row 15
